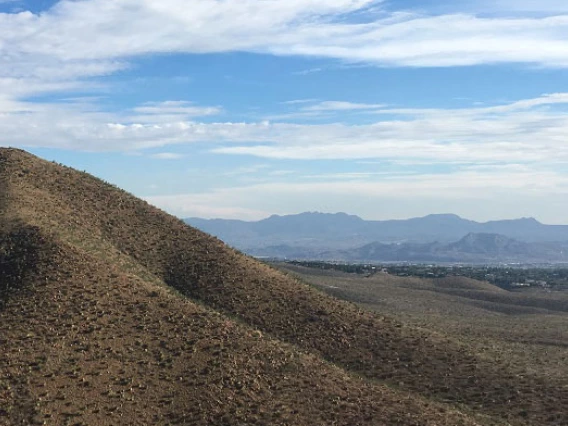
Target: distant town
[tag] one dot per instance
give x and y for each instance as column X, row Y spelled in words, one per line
column 512, row 277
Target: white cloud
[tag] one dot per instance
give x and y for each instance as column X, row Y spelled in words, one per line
column 56, row 48
column 205, row 206
column 530, row 131
column 546, row 100
column 183, row 108
column 250, row 170
column 170, row 112
column 352, row 176
column 299, row 101
column 342, row 106
column 541, row 6
column 520, row 131
column 325, row 109
column 308, row 71
column 167, row 156
column 127, row 27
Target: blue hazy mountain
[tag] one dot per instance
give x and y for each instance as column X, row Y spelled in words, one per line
column 472, row 248
column 324, row 231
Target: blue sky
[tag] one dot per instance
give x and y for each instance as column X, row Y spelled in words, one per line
column 246, row 108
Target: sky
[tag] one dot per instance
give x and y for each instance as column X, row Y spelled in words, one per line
column 246, row 108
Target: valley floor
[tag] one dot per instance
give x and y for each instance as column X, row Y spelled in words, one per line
column 527, row 330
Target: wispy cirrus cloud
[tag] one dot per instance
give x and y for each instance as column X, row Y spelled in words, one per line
column 299, row 101
column 341, row 106
column 183, row 108
column 314, row 109
column 170, row 112
column 167, row 156
column 56, row 47
column 509, row 6
column 308, row 71
column 529, row 130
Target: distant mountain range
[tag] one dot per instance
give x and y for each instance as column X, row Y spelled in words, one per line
column 441, row 238
column 473, row 248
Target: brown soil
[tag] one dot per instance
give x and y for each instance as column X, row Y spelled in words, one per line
column 92, row 331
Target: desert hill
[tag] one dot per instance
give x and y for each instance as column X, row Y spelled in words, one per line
column 115, row 312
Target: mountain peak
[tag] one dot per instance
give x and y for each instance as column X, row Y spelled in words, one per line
column 483, row 242
column 523, row 221
column 313, row 215
column 320, row 214
column 530, row 220
column 444, row 217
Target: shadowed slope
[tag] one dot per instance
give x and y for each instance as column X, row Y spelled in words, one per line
column 113, row 225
